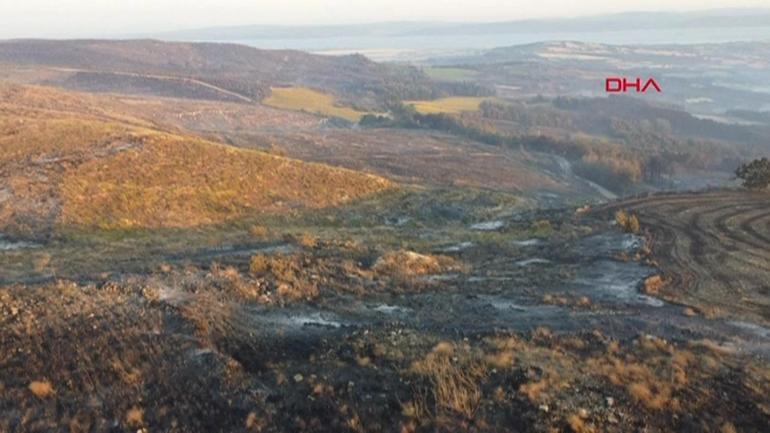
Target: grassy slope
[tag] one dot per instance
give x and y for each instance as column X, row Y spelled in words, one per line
column 75, row 164
column 174, row 181
column 309, row 100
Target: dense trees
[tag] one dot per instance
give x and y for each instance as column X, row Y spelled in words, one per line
column 755, row 174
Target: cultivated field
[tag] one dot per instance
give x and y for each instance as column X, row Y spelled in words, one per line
column 310, row 101
column 453, row 105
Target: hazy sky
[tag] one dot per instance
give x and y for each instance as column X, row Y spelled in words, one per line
column 68, row 18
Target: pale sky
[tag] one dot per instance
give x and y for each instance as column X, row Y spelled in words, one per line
column 73, row 18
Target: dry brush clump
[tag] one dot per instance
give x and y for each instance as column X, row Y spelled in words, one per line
column 451, row 376
column 291, row 276
column 652, row 374
column 305, row 240
column 403, row 263
column 654, row 284
column 233, row 281
column 42, row 389
column 628, row 222
column 259, row 232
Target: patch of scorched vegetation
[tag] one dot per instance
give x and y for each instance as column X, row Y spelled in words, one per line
column 311, row 101
column 573, row 383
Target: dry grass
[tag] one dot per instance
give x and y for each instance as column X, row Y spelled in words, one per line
column 259, row 232
column 76, row 163
column 173, row 181
column 453, row 374
column 135, row 417
column 452, row 105
column 627, row 222
column 41, row 389
column 577, row 425
column 653, row 284
column 232, row 281
column 714, row 347
column 311, row 101
column 408, row 263
column 287, row 274
column 306, row 240
column 651, row 379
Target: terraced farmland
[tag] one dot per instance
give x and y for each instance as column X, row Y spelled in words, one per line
column 714, row 249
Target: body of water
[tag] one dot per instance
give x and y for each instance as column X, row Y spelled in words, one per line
column 416, row 47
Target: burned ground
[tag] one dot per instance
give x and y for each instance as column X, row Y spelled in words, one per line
column 505, row 320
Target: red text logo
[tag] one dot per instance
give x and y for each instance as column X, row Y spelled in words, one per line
column 623, row 84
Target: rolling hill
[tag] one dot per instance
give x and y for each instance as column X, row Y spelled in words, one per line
column 227, row 72
column 76, row 164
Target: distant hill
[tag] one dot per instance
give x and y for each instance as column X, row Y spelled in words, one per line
column 210, row 70
column 738, row 17
column 705, row 79
column 66, row 160
column 612, row 22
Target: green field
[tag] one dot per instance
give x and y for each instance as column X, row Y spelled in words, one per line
column 450, row 74
column 310, row 101
column 452, row 105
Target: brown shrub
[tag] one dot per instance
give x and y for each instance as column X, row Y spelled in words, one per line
column 409, row 263
column 41, row 389
column 231, row 280
column 653, row 284
column 533, row 390
column 135, row 417
column 259, row 232
column 577, row 425
column 287, row 274
column 454, row 380
column 628, row 222
column 306, row 240
column 639, row 380
column 259, row 264
column 297, row 291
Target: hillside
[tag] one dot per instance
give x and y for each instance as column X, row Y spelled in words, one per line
column 63, row 164
column 226, row 72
